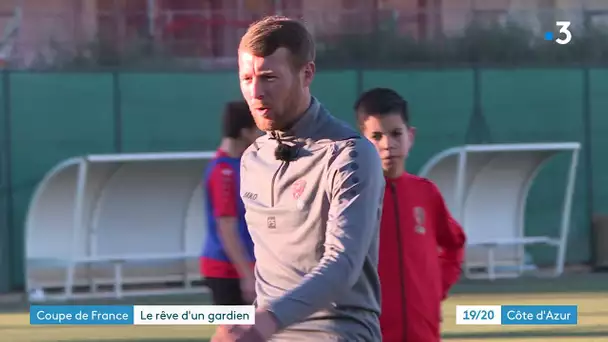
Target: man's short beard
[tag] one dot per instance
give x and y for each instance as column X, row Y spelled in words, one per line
column 285, row 119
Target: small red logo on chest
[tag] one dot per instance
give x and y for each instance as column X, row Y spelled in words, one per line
column 298, row 188
column 419, row 216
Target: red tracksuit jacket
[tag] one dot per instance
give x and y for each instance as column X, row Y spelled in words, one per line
column 421, row 252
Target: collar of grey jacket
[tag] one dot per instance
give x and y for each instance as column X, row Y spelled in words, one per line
column 304, row 127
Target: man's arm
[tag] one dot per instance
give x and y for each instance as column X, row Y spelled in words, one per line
column 451, row 240
column 222, row 185
column 356, row 189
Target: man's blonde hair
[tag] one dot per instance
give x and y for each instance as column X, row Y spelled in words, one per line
column 267, row 35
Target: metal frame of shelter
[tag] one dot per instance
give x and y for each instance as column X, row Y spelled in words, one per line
column 486, row 188
column 92, row 201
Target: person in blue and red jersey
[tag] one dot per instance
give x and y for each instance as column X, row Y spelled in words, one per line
column 421, row 245
column 227, row 260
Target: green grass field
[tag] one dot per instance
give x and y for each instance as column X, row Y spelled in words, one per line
column 589, row 292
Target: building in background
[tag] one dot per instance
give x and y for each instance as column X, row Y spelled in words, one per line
column 210, row 29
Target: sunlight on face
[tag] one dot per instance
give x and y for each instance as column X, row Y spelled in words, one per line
column 270, row 86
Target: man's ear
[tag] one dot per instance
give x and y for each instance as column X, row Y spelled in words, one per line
column 309, row 73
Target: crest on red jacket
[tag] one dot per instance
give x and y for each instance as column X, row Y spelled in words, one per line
column 419, row 217
column 298, row 188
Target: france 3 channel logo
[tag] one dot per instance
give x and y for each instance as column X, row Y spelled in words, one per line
column 564, row 35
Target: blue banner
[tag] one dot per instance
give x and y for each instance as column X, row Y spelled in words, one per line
column 142, row 314
column 539, row 314
column 81, row 315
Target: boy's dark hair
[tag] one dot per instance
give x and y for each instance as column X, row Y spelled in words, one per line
column 236, row 117
column 381, row 102
column 265, row 36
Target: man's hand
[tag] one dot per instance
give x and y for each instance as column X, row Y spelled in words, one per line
column 248, row 289
column 265, row 326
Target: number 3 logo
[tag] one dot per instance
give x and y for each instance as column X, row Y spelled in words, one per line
column 563, row 29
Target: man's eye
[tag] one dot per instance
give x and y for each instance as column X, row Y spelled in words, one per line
column 397, row 134
column 377, row 136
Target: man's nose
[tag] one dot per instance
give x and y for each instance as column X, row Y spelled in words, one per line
column 257, row 89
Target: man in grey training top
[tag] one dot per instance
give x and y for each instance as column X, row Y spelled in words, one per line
column 312, row 189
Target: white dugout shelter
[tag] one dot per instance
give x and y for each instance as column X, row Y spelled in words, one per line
column 486, row 188
column 100, row 223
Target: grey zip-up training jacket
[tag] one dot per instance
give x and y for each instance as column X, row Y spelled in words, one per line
column 315, row 225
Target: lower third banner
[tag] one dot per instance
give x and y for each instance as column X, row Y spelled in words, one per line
column 516, row 314
column 142, row 314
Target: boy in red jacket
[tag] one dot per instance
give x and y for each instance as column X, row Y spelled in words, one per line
column 421, row 245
